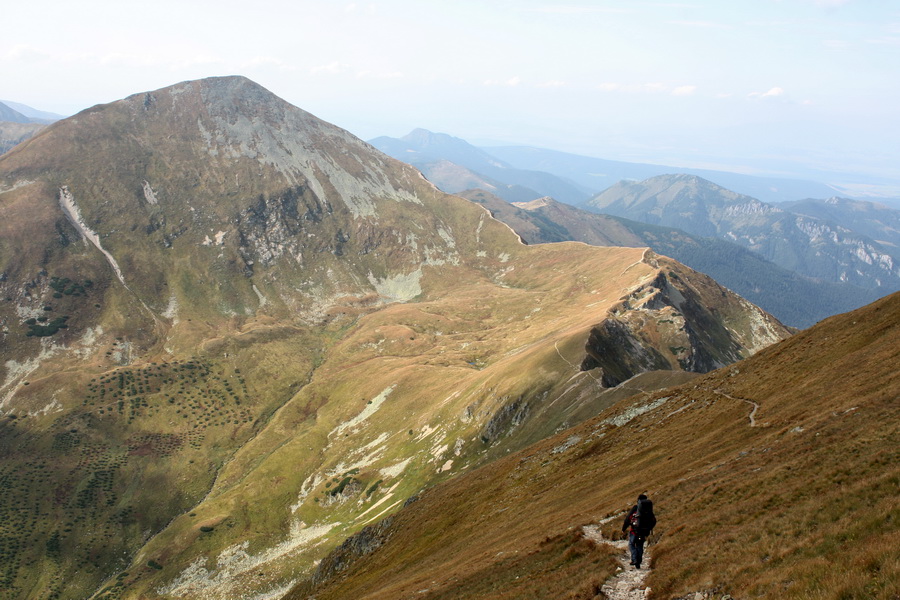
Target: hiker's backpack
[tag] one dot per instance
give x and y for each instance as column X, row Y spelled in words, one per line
column 643, row 520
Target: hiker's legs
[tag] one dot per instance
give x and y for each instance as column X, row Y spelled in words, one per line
column 636, row 546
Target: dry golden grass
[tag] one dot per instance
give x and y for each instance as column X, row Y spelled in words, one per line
column 803, row 505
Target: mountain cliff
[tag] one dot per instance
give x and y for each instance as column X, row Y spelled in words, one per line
column 877, row 221
column 234, row 334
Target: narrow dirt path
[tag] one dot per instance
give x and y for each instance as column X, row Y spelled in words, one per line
column 628, row 583
column 755, row 405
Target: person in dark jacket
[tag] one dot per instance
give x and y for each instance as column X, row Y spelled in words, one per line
column 639, row 523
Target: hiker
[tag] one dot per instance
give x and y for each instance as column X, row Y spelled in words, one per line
column 639, row 523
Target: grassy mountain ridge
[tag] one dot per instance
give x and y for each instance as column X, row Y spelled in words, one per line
column 794, row 299
column 776, row 478
column 235, row 334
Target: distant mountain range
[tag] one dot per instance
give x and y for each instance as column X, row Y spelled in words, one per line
column 21, row 113
column 810, row 245
column 599, row 174
column 795, row 299
column 433, row 153
column 569, row 178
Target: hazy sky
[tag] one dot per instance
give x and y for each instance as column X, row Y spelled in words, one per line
column 791, row 86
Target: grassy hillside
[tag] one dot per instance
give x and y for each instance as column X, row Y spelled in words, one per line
column 776, row 477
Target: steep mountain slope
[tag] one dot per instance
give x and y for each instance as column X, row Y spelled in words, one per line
column 431, row 153
column 877, row 221
column 795, row 300
column 810, row 246
column 776, row 477
column 234, row 334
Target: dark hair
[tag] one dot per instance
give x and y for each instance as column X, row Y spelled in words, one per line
column 642, row 497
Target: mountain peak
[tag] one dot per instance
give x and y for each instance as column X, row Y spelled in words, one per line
column 234, row 93
column 423, row 138
column 684, row 178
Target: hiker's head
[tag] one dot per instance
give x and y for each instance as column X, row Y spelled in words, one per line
column 642, row 497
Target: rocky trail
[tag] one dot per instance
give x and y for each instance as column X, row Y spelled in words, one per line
column 628, row 583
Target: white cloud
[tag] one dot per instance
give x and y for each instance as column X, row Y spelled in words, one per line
column 775, row 92
column 684, row 90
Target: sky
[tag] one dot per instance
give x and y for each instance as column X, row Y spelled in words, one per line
column 797, row 88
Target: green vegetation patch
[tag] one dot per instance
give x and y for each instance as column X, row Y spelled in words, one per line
column 37, row 330
column 67, row 287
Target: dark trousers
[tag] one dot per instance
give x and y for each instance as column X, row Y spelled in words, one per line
column 636, row 546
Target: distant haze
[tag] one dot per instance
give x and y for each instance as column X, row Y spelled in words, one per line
column 793, row 88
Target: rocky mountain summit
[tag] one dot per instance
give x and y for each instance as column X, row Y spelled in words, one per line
column 234, row 334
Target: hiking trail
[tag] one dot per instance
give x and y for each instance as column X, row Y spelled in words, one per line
column 755, row 405
column 628, row 583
